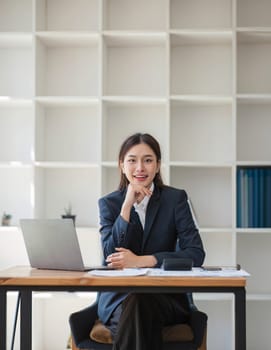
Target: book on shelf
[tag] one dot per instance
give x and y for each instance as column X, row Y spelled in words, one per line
column 267, row 203
column 253, row 197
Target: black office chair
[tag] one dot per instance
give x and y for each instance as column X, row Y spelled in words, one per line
column 190, row 336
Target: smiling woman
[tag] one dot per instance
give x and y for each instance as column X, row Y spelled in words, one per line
column 142, row 223
column 140, row 167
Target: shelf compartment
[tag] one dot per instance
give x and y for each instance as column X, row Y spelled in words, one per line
column 209, row 125
column 131, row 15
column 205, row 188
column 253, row 131
column 15, row 15
column 253, row 253
column 133, row 117
column 78, row 123
column 16, row 52
column 199, row 14
column 57, row 187
column 59, row 15
column 253, row 62
column 201, row 63
column 252, row 13
column 67, row 66
column 134, row 65
column 16, row 133
column 212, row 242
column 110, row 179
column 17, row 182
column 258, row 321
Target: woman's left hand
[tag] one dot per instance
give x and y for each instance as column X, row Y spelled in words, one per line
column 126, row 258
column 122, row 258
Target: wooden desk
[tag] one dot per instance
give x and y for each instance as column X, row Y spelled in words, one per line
column 26, row 280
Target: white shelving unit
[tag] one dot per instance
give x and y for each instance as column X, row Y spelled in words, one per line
column 195, row 74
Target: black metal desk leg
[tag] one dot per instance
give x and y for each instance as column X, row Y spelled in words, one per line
column 3, row 319
column 26, row 319
column 240, row 318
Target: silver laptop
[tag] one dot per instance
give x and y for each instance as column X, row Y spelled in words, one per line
column 53, row 244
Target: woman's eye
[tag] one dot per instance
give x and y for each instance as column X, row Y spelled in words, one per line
column 148, row 160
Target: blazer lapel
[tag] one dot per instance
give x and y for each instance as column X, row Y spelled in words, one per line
column 151, row 213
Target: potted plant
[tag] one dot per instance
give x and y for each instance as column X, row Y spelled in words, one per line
column 6, row 219
column 68, row 213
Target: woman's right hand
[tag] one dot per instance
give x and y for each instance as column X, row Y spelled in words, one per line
column 135, row 193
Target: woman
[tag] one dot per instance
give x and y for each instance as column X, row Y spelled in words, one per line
column 142, row 223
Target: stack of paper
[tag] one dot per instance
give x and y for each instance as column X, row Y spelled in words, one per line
column 195, row 272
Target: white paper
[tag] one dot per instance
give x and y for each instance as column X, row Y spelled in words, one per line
column 118, row 273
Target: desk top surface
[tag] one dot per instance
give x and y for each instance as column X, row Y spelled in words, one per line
column 27, row 276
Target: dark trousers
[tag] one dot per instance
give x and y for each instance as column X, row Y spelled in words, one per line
column 137, row 323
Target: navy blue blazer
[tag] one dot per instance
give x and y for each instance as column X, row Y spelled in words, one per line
column 170, row 232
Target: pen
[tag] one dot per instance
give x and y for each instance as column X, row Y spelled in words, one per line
column 219, row 268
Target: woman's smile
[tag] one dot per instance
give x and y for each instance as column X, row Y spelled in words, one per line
column 140, row 177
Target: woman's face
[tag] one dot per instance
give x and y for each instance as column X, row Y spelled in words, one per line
column 140, row 165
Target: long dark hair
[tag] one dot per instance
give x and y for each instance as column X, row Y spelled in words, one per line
column 134, row 140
